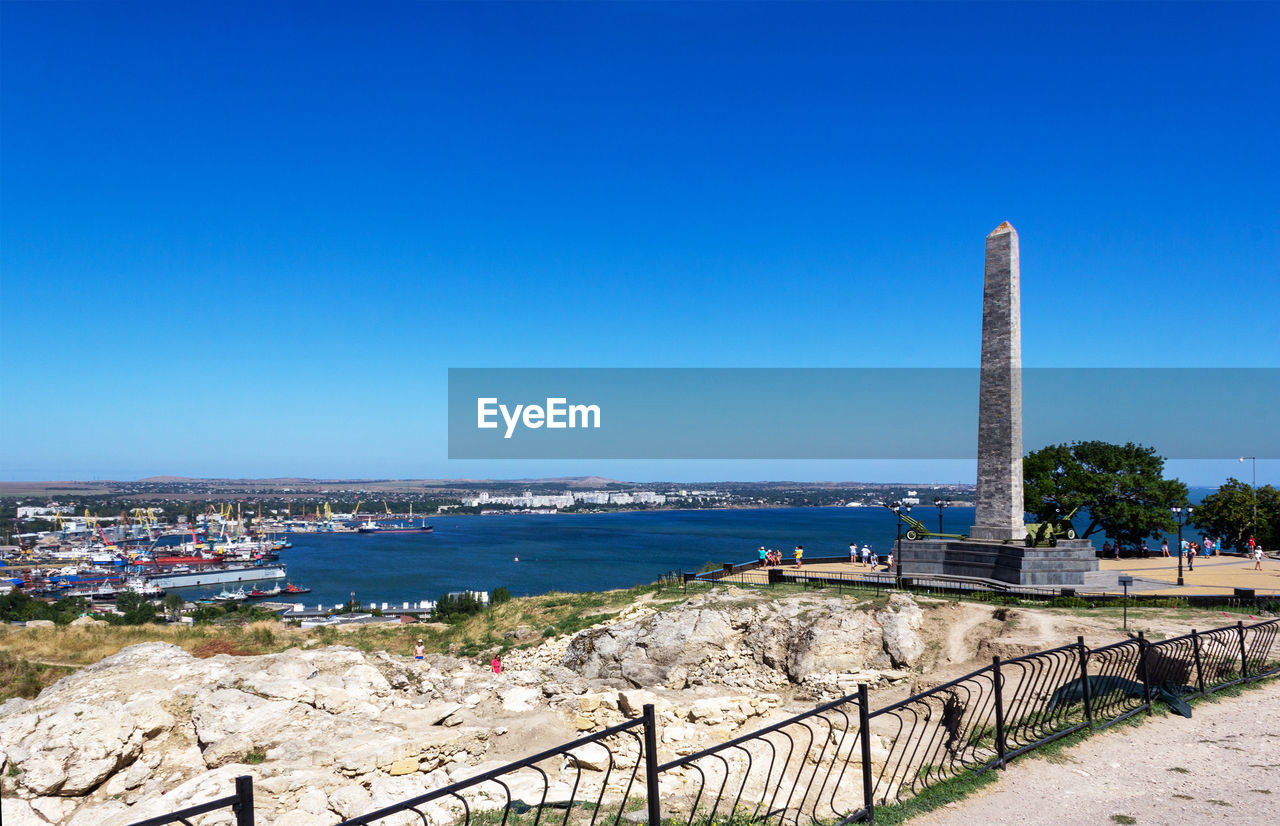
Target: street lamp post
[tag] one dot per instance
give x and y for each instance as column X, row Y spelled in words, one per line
column 1253, row 493
column 898, row 510
column 940, row 504
column 1179, row 513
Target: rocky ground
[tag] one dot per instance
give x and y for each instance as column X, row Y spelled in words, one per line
column 331, row 732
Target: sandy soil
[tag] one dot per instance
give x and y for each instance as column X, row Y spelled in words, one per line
column 1221, row 766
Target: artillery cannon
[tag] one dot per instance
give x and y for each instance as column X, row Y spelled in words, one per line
column 1047, row 533
column 917, row 530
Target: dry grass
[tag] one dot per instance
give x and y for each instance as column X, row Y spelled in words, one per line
column 547, row 615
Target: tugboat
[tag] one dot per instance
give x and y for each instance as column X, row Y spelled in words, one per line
column 290, row 588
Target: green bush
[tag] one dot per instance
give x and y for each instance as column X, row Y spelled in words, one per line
column 17, row 606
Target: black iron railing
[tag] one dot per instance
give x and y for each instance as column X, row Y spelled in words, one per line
column 240, row 804
column 619, row 753
column 803, row 767
column 837, row 762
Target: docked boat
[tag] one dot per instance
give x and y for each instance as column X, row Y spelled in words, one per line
column 231, row 596
column 290, row 588
column 216, row 575
column 270, row 592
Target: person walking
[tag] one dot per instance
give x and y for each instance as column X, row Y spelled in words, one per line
column 866, row 554
column 1164, row 548
column 1257, row 558
column 799, row 554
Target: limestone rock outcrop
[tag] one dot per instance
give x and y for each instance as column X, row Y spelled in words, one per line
column 760, row 643
column 330, row 733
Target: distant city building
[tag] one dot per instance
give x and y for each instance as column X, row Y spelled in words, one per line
column 32, row 512
column 525, row 500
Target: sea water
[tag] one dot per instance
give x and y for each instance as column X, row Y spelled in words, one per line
column 574, row 552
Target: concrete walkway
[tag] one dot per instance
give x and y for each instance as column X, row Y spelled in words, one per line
column 1155, row 576
column 1221, row 766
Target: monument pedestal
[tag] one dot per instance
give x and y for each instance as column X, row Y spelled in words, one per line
column 1011, row 562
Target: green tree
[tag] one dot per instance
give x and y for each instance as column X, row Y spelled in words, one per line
column 173, row 604
column 451, row 607
column 134, row 609
column 1228, row 513
column 1122, row 487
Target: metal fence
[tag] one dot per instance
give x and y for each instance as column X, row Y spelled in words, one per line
column 839, row 761
column 240, row 804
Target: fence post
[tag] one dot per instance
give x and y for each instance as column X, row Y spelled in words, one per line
column 999, row 686
column 864, row 737
column 1142, row 671
column 1195, row 649
column 1244, row 658
column 244, row 802
column 1084, row 680
column 652, row 798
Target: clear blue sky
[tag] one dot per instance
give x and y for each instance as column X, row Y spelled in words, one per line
column 248, row 239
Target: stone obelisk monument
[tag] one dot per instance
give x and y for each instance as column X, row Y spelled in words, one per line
column 996, row 547
column 998, row 515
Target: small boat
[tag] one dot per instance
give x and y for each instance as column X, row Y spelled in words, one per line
column 231, row 596
column 290, row 588
column 270, row 592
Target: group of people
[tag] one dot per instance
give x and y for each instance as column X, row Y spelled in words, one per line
column 865, row 556
column 773, row 558
column 1191, row 549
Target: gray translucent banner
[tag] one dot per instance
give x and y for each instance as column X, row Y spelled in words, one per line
column 880, row 413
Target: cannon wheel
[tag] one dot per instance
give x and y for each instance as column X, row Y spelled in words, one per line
column 1031, row 541
column 912, row 535
column 1053, row 541
column 1071, row 533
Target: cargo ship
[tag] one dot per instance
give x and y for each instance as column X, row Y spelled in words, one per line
column 394, row 526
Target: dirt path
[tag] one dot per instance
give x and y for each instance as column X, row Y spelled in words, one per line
column 1221, row 766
